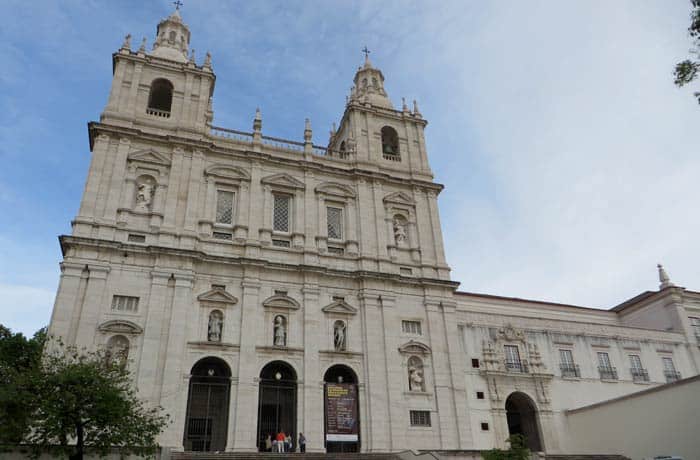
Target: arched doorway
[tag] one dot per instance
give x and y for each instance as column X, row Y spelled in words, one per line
column 277, row 402
column 206, row 423
column 341, row 410
column 521, row 413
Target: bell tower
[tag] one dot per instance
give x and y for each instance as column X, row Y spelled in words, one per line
column 380, row 137
column 163, row 89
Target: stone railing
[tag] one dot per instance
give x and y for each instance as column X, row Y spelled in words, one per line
column 639, row 375
column 283, row 143
column 570, row 370
column 158, row 113
column 607, row 373
column 672, row 376
column 230, row 134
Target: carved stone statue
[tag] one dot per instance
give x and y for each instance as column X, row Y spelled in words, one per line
column 216, row 323
column 144, row 196
column 339, row 336
column 127, row 42
column 280, row 332
column 400, row 236
column 415, row 379
column 118, row 349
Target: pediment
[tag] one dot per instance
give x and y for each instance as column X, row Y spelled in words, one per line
column 149, row 156
column 414, row 347
column 283, row 180
column 335, row 189
column 217, row 296
column 120, row 326
column 227, row 172
column 340, row 306
column 400, row 198
column 281, row 301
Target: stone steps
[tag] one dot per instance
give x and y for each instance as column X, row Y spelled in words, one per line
column 280, row 456
column 586, row 457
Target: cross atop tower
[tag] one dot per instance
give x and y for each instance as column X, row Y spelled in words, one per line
column 177, row 4
column 366, row 51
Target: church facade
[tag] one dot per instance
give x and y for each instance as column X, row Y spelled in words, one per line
column 254, row 284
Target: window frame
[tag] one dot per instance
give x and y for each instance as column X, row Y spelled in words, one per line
column 341, row 208
column 290, row 210
column 406, row 329
column 220, row 190
column 127, row 299
column 419, row 418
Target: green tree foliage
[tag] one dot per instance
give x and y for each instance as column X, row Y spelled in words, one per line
column 517, row 451
column 78, row 401
column 687, row 71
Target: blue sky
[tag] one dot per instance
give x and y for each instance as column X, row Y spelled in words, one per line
column 570, row 160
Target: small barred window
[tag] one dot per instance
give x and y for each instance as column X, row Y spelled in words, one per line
column 125, row 303
column 335, row 223
column 224, row 207
column 420, row 418
column 280, row 218
column 411, row 327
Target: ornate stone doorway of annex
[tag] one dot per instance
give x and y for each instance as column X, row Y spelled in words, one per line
column 206, row 424
column 341, row 410
column 521, row 413
column 277, row 402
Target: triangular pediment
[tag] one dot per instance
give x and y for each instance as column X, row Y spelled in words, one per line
column 281, row 301
column 400, row 198
column 227, row 172
column 340, row 306
column 149, row 156
column 335, row 189
column 120, row 326
column 414, row 347
column 283, row 180
column 217, row 296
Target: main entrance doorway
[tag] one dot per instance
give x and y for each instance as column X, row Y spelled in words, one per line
column 522, row 419
column 277, row 402
column 206, row 423
column 341, row 410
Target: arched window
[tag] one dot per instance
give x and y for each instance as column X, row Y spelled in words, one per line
column 416, row 378
column 390, row 142
column 280, row 331
column 215, row 326
column 173, row 36
column 340, row 335
column 160, row 99
column 118, row 349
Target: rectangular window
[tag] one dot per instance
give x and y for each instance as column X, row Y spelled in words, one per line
column 512, row 358
column 479, row 395
column 224, row 207
column 411, row 327
column 335, row 223
column 281, row 243
column 484, row 426
column 125, row 303
column 475, row 363
column 635, row 362
column 606, row 371
column 604, row 360
column 695, row 324
column 280, row 216
column 566, row 357
column 420, row 418
column 668, row 364
column 134, row 238
column 336, row 250
column 670, row 370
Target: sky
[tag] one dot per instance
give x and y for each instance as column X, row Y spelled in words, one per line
column 570, row 160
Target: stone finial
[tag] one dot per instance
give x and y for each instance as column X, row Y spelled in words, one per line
column 142, row 48
column 207, row 61
column 307, row 130
column 127, row 42
column 404, row 106
column 416, row 112
column 664, row 280
column 192, row 56
column 257, row 121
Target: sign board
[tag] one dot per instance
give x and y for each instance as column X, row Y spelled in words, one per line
column 341, row 412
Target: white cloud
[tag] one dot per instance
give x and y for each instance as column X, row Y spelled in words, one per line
column 24, row 308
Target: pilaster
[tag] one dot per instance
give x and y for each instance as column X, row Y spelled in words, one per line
column 95, row 297
column 312, row 421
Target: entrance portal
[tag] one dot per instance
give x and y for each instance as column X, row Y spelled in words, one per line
column 522, row 419
column 277, row 402
column 341, row 410
column 206, row 423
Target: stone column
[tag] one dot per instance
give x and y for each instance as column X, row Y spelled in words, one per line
column 246, row 410
column 175, row 377
column 64, row 320
column 312, row 422
column 376, row 409
column 96, row 298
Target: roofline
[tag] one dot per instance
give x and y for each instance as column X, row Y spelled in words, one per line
column 518, row 299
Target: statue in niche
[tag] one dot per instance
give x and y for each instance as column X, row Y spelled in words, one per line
column 280, row 332
column 400, row 236
column 144, row 195
column 216, row 323
column 339, row 336
column 118, row 349
column 416, row 382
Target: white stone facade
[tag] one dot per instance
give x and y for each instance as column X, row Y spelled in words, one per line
column 191, row 241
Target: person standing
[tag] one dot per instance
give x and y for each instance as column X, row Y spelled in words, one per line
column 280, row 438
column 268, row 443
column 302, row 443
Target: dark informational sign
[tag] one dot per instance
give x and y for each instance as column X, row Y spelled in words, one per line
column 341, row 412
